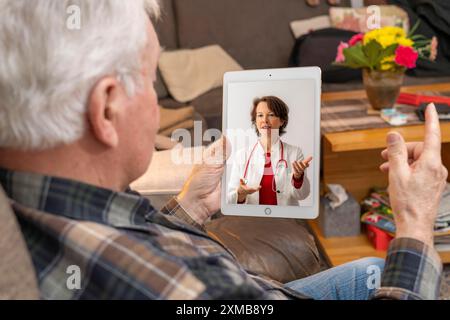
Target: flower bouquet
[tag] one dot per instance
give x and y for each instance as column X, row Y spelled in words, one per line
column 384, row 55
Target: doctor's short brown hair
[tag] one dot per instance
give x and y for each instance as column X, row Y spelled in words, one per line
column 277, row 106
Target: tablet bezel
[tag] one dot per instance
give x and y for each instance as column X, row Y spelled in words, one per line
column 297, row 212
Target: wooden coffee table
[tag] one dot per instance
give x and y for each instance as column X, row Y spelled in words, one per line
column 352, row 159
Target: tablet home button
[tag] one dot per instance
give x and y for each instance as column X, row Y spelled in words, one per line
column 268, row 211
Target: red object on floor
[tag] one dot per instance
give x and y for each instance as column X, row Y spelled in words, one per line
column 380, row 239
column 417, row 99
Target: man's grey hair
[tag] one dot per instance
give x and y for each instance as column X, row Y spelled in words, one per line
column 49, row 64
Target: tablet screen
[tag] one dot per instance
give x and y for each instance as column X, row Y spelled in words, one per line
column 272, row 130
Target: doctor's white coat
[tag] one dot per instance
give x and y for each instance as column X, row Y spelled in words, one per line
column 288, row 195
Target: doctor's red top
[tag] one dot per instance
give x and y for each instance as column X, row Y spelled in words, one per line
column 267, row 193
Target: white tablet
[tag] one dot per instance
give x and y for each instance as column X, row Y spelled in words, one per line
column 272, row 121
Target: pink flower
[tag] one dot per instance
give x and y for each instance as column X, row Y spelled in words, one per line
column 406, row 57
column 355, row 39
column 433, row 48
column 340, row 52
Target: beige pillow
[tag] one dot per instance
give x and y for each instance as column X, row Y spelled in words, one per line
column 305, row 26
column 172, row 117
column 190, row 73
column 186, row 124
column 356, row 19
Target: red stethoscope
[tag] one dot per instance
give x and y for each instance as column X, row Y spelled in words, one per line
column 282, row 162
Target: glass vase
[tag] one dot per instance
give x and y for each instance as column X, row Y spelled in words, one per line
column 382, row 87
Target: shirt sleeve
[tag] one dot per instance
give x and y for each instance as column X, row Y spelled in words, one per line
column 412, row 271
column 297, row 183
column 173, row 208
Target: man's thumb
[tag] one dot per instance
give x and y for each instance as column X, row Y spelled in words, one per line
column 397, row 151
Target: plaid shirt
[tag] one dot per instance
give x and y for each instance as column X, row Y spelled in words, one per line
column 125, row 249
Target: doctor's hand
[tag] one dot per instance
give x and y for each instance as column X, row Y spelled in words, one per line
column 300, row 167
column 243, row 191
column 200, row 195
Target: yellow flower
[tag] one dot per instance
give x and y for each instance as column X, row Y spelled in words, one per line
column 388, row 36
column 388, row 59
column 405, row 42
column 395, row 31
column 371, row 35
column 387, row 40
column 387, row 63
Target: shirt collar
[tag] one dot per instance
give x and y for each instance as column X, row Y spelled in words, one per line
column 74, row 199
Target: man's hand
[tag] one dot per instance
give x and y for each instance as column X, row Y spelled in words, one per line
column 300, row 167
column 417, row 179
column 200, row 196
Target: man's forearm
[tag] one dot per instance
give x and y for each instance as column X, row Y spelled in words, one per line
column 174, row 208
column 412, row 271
column 409, row 229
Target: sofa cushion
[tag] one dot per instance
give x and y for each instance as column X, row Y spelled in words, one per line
column 189, row 73
column 281, row 249
column 160, row 86
column 305, row 54
column 254, row 32
column 165, row 26
column 356, row 19
column 209, row 105
column 171, row 119
column 302, row 27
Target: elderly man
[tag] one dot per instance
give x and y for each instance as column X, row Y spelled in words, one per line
column 78, row 118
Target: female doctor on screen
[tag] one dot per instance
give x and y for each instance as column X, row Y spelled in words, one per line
column 270, row 172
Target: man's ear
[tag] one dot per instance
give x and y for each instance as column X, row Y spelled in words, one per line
column 104, row 102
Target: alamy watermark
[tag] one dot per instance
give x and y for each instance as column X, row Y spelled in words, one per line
column 189, row 149
column 374, row 277
column 73, row 281
column 73, row 21
column 373, row 17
